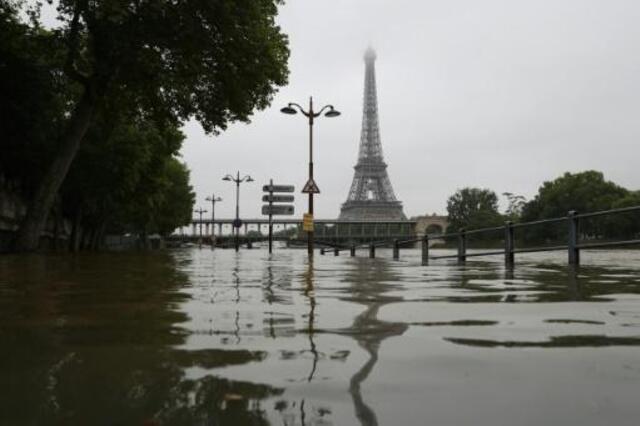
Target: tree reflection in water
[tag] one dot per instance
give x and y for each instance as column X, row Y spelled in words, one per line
column 93, row 341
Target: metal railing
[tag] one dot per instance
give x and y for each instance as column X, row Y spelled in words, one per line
column 573, row 245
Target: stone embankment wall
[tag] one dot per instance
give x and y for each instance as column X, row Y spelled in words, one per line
column 13, row 207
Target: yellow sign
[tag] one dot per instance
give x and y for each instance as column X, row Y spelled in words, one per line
column 307, row 222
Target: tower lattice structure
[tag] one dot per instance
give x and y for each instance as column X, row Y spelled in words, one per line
column 371, row 196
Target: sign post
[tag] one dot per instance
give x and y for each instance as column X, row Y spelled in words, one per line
column 280, row 209
column 307, row 222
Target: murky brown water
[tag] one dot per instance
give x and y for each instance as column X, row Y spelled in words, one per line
column 194, row 337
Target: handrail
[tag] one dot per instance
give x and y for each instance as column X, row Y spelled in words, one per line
column 483, row 230
column 539, row 222
column 610, row 211
column 573, row 245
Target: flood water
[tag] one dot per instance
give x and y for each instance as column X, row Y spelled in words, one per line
column 196, row 337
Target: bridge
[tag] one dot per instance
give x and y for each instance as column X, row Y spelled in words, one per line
column 330, row 231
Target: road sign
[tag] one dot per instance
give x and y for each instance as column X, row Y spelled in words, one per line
column 277, row 198
column 307, row 222
column 310, row 187
column 278, row 209
column 277, row 188
column 237, row 223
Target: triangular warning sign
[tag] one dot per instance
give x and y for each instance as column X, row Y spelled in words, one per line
column 310, row 187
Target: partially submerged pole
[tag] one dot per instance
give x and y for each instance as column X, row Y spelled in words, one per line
column 508, row 244
column 574, row 251
column 425, row 249
column 462, row 246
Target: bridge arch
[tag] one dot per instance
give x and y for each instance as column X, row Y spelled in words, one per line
column 431, row 224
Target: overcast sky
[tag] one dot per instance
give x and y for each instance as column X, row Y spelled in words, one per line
column 497, row 94
column 501, row 94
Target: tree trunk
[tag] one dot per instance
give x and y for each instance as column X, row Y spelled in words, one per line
column 86, row 238
column 36, row 218
column 74, row 239
column 56, row 228
column 99, row 241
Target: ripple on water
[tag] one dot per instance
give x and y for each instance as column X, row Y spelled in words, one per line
column 202, row 337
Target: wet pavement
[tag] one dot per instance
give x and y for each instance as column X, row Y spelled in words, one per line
column 196, row 337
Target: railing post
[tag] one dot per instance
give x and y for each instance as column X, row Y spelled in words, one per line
column 336, row 251
column 462, row 246
column 508, row 244
column 352, row 251
column 574, row 251
column 372, row 251
column 322, row 251
column 425, row 249
column 396, row 250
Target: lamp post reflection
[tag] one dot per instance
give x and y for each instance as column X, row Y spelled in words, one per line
column 310, row 294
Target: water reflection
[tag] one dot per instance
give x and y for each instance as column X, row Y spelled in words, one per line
column 310, row 295
column 91, row 340
column 368, row 281
column 201, row 337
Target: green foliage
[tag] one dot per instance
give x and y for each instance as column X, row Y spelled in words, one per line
column 473, row 208
column 583, row 192
column 111, row 86
column 33, row 99
column 212, row 60
column 128, row 179
column 160, row 62
column 623, row 225
column 515, row 207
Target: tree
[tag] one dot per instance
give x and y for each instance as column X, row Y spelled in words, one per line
column 179, row 198
column 473, row 208
column 583, row 192
column 33, row 99
column 215, row 61
column 624, row 225
column 515, row 207
column 127, row 179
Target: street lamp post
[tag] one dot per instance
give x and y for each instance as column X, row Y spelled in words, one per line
column 213, row 200
column 237, row 222
column 311, row 115
column 200, row 211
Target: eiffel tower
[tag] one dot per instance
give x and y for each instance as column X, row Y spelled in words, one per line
column 371, row 196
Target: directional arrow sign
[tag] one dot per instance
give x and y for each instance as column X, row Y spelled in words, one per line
column 279, row 209
column 310, row 187
column 277, row 198
column 277, row 188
